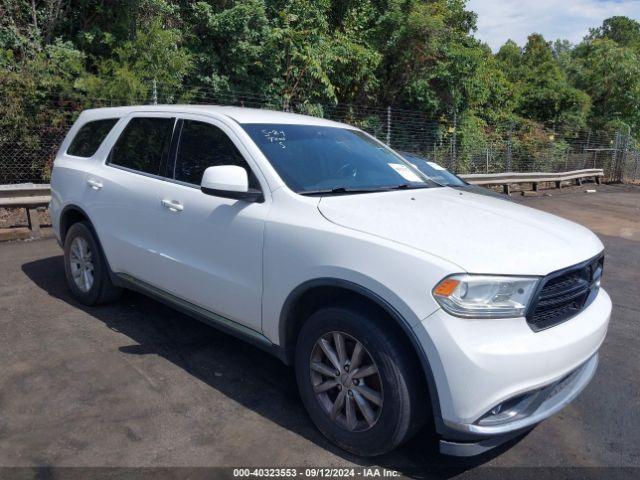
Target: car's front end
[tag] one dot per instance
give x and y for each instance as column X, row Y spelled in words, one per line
column 513, row 334
column 499, row 376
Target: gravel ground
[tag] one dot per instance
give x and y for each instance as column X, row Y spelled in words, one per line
column 17, row 217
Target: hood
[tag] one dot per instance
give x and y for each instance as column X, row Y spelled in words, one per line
column 479, row 233
column 482, row 191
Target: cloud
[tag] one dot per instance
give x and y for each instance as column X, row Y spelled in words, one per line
column 501, row 20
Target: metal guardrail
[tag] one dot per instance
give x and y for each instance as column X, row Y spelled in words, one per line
column 29, row 196
column 24, row 190
column 507, row 179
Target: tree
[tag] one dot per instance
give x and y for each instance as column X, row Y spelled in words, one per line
column 562, row 53
column 510, row 58
column 427, row 54
column 610, row 74
column 622, row 30
column 229, row 45
column 546, row 94
column 309, row 62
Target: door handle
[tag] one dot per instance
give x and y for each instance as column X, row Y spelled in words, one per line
column 172, row 205
column 95, row 184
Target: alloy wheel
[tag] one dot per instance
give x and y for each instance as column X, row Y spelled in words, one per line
column 346, row 381
column 81, row 263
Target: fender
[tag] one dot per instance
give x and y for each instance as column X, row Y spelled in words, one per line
column 296, row 294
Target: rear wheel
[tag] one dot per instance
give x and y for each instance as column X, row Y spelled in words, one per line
column 361, row 387
column 86, row 268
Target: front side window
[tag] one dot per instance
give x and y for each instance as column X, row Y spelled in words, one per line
column 203, row 145
column 314, row 159
column 90, row 137
column 143, row 145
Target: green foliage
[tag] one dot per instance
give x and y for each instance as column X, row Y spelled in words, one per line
column 610, row 74
column 36, row 87
column 622, row 30
column 314, row 55
column 229, row 45
column 544, row 93
column 428, row 54
column 473, row 138
column 536, row 149
column 155, row 54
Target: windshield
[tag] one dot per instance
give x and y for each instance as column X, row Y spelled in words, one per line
column 434, row 171
column 312, row 159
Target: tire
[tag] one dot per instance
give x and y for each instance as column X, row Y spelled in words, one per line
column 82, row 253
column 403, row 401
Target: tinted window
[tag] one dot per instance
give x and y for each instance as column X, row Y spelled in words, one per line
column 143, row 145
column 203, row 145
column 313, row 158
column 90, row 136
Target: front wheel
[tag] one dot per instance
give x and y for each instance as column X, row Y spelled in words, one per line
column 359, row 384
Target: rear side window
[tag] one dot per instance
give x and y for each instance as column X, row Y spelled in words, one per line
column 90, row 136
column 143, row 145
column 203, row 145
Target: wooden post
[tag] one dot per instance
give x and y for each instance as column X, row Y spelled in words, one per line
column 578, row 181
column 558, row 184
column 505, row 189
column 534, row 186
column 598, row 180
column 34, row 222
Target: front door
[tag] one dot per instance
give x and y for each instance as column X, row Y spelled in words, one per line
column 212, row 246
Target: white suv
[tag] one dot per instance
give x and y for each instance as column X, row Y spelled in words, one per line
column 400, row 302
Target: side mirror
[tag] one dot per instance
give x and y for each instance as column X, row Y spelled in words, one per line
column 229, row 181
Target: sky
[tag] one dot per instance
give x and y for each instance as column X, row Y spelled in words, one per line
column 501, row 20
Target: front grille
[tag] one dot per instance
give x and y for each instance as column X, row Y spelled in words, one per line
column 563, row 294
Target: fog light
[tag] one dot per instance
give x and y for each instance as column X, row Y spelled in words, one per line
column 508, row 410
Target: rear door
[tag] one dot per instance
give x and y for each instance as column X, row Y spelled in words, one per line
column 212, row 245
column 123, row 196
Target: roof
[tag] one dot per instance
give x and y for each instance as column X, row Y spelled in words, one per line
column 239, row 114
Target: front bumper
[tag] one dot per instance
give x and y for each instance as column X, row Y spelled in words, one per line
column 539, row 404
column 478, row 365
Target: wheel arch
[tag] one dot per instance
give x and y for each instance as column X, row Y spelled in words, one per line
column 313, row 294
column 73, row 213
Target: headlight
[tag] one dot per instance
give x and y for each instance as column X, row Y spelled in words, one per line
column 484, row 296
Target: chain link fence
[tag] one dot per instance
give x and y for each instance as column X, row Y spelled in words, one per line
column 29, row 145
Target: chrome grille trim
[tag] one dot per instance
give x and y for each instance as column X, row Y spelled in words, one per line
column 563, row 294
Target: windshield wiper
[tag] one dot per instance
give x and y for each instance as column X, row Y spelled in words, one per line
column 338, row 191
column 408, row 186
column 348, row 190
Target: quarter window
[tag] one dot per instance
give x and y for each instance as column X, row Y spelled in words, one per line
column 90, row 137
column 143, row 145
column 203, row 145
